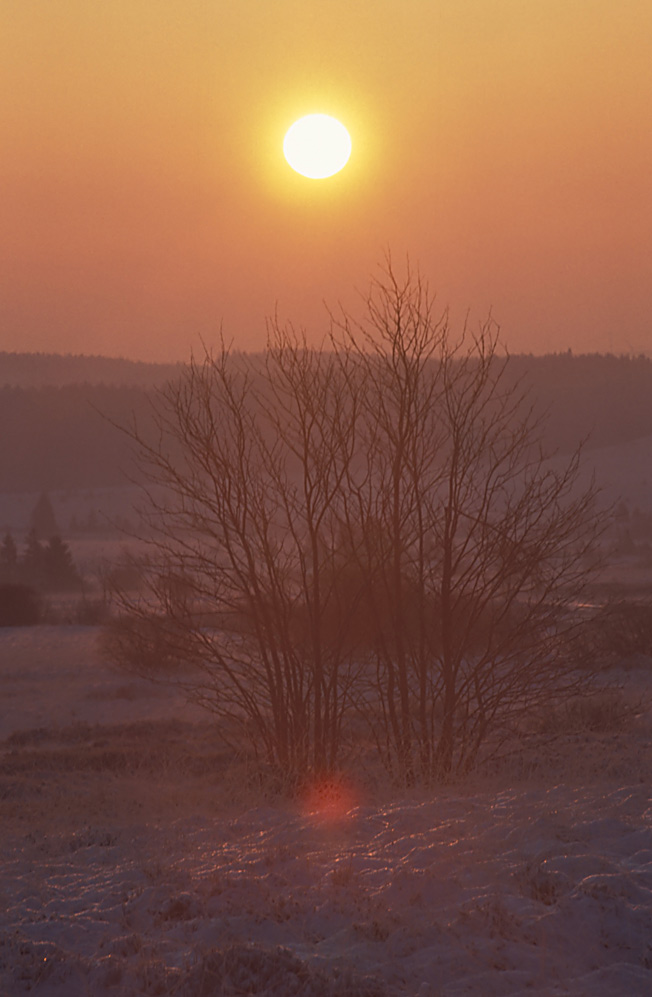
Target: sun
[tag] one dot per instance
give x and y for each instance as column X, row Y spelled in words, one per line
column 317, row 146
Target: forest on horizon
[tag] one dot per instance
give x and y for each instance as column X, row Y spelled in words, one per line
column 59, row 413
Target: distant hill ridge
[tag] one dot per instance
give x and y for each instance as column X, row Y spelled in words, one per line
column 29, row 370
column 58, row 413
column 36, row 369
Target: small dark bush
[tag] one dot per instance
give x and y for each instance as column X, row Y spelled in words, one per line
column 251, row 969
column 602, row 713
column 146, row 646
column 91, row 612
column 622, row 630
column 20, row 606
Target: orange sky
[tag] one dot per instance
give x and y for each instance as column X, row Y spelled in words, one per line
column 506, row 145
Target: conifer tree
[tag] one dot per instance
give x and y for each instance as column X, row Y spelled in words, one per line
column 8, row 551
column 58, row 565
column 42, row 520
column 32, row 560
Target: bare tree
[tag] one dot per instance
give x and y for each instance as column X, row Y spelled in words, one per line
column 474, row 544
column 252, row 457
column 391, row 503
column 370, row 526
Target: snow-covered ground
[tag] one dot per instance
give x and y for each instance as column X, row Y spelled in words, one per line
column 131, row 865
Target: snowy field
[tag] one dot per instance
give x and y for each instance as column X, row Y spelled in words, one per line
column 137, row 860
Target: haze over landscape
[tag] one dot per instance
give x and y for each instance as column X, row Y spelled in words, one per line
column 325, row 605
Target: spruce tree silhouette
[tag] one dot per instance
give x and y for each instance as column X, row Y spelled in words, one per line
column 8, row 553
column 58, row 565
column 32, row 561
column 42, row 520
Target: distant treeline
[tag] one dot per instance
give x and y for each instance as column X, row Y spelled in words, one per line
column 65, row 438
column 62, row 436
column 28, row 370
column 602, row 398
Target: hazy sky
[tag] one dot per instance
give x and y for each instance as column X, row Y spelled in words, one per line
column 506, row 145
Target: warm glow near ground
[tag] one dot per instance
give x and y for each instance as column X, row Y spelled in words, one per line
column 329, row 800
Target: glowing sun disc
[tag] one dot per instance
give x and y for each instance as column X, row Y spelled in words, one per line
column 317, row 146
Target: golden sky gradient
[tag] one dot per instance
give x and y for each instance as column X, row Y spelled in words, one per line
column 505, row 145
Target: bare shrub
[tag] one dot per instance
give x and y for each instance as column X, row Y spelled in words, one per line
column 472, row 544
column 365, row 529
column 143, row 643
column 91, row 612
column 20, row 605
column 620, row 631
column 602, row 712
column 252, row 969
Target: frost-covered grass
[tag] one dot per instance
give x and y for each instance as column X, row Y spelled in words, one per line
column 140, row 858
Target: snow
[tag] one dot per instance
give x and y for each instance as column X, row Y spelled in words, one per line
column 52, row 676
column 543, row 891
column 479, row 888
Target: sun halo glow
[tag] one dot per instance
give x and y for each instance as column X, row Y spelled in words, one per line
column 317, row 146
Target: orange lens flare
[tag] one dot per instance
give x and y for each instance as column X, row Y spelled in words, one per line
column 329, row 800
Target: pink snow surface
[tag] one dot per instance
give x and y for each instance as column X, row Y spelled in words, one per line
column 542, row 891
column 530, row 890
